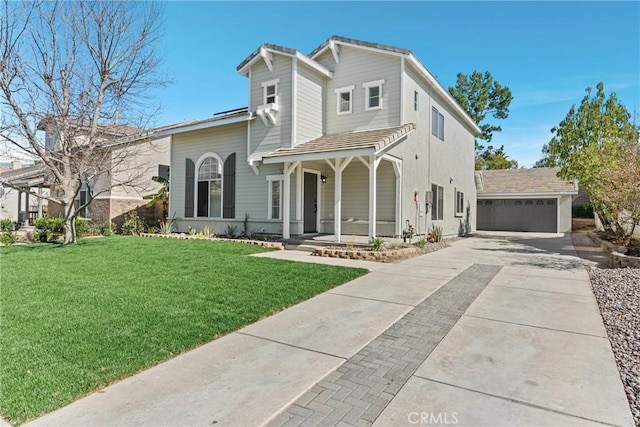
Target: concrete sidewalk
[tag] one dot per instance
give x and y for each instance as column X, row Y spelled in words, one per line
column 523, row 344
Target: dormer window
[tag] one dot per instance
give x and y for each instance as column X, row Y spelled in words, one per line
column 269, row 108
column 345, row 99
column 270, row 92
column 373, row 95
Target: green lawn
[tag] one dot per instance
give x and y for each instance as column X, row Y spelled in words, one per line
column 75, row 318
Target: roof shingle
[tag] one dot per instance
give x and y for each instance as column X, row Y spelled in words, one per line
column 376, row 139
column 536, row 180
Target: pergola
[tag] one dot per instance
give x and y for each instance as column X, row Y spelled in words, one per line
column 24, row 181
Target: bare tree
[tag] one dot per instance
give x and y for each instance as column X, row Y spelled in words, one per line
column 68, row 68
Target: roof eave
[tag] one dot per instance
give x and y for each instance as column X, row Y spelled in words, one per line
column 320, row 155
column 257, row 56
column 524, row 194
column 205, row 125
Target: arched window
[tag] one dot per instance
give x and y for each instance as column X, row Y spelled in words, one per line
column 210, row 188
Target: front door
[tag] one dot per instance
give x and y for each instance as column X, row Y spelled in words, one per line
column 310, row 202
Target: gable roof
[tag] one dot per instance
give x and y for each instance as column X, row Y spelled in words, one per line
column 267, row 48
column 328, row 146
column 523, row 181
column 411, row 59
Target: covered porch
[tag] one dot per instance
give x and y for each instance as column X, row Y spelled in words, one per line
column 25, row 184
column 343, row 184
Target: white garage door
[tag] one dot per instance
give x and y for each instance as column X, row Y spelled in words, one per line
column 540, row 215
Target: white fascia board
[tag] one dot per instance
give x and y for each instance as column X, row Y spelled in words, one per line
column 442, row 92
column 206, row 125
column 525, row 195
column 388, row 147
column 303, row 58
column 357, row 46
column 314, row 65
column 323, row 155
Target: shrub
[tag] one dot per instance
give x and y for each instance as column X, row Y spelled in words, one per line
column 231, row 231
column 8, row 238
column 7, row 225
column 132, row 224
column 167, row 226
column 435, row 235
column 82, row 228
column 376, row 244
column 584, row 211
column 49, row 229
column 106, row 228
column 420, row 243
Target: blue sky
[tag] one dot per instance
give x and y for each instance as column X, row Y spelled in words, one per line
column 547, row 53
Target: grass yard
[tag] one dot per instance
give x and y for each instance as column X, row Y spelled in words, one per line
column 76, row 318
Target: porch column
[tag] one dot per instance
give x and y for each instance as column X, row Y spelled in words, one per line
column 26, row 202
column 338, row 167
column 39, row 202
column 299, row 176
column 337, row 206
column 286, row 201
column 373, row 165
column 19, row 207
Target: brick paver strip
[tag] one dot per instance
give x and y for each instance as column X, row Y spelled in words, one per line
column 359, row 390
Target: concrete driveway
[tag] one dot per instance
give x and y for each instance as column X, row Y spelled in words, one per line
column 499, row 329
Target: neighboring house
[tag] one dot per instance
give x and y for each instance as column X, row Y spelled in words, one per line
column 18, row 205
column 355, row 138
column 134, row 157
column 524, row 200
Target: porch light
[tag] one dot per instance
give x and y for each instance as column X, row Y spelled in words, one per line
column 323, row 179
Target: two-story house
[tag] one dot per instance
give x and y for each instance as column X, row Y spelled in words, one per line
column 355, row 138
column 125, row 161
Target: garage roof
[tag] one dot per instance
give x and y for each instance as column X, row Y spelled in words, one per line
column 522, row 182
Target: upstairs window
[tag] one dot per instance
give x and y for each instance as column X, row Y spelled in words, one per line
column 415, row 100
column 270, row 92
column 373, row 95
column 344, row 97
column 437, row 205
column 437, row 124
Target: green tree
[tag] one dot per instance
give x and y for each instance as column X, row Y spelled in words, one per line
column 480, row 96
column 589, row 144
column 547, row 161
column 494, row 158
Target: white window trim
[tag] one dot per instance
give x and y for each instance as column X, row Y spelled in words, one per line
column 197, row 180
column 367, row 86
column 339, row 92
column 459, row 213
column 439, row 114
column 273, row 82
column 270, row 179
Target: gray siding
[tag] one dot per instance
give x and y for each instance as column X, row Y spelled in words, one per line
column 267, row 138
column 309, row 105
column 448, row 163
column 356, row 67
column 251, row 190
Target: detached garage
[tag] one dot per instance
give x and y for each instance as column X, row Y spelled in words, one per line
column 533, row 200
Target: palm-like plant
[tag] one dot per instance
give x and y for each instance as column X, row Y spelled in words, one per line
column 162, row 195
